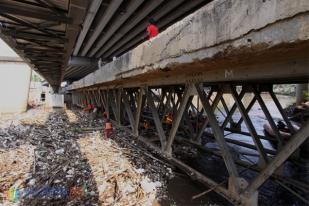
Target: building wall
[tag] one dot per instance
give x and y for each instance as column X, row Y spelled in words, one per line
column 35, row 91
column 14, row 87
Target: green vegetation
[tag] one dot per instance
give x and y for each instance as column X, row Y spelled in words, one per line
column 35, row 78
column 306, row 95
column 285, row 89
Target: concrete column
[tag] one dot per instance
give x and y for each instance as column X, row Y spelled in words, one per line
column 300, row 89
column 55, row 100
column 14, row 87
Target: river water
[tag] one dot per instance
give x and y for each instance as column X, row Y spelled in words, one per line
column 182, row 189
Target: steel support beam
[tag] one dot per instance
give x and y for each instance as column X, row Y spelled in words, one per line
column 282, row 156
column 229, row 162
column 249, row 125
column 282, row 112
column 156, row 119
column 228, row 118
column 134, row 98
column 183, row 105
column 268, row 117
column 128, row 109
column 167, row 104
column 247, row 111
column 206, row 122
column 140, row 103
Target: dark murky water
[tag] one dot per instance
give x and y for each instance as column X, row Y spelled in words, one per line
column 181, row 189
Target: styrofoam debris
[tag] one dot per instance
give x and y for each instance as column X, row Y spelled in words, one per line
column 59, row 151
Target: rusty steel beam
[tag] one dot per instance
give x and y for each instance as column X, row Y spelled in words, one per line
column 229, row 162
column 183, row 104
column 250, row 126
column 282, row 156
column 134, row 100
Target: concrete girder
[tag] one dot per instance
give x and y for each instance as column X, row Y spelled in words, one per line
column 150, row 6
column 163, row 20
column 256, row 50
column 39, row 14
column 94, row 7
column 103, row 22
column 119, row 21
column 82, row 61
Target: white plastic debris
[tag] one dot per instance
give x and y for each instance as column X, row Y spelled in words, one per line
column 59, row 151
column 148, row 186
column 71, row 172
column 31, row 182
column 102, row 188
column 140, row 170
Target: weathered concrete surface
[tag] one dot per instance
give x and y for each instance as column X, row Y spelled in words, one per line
column 14, row 81
column 14, row 87
column 55, row 100
column 227, row 40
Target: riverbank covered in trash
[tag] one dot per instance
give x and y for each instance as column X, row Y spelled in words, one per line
column 59, row 157
column 48, row 159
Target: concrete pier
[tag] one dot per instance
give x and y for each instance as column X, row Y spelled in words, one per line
column 14, row 82
column 55, row 100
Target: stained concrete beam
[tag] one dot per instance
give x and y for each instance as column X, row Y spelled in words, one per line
column 82, row 61
column 226, row 40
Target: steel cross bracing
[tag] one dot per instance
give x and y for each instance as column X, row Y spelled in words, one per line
column 193, row 108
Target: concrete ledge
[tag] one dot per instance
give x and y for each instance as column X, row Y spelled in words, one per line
column 223, row 35
column 11, row 59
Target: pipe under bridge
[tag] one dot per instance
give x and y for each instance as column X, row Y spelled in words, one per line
column 228, row 47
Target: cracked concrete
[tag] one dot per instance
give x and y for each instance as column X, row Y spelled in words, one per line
column 225, row 35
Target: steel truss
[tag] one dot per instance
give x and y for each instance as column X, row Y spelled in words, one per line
column 193, row 108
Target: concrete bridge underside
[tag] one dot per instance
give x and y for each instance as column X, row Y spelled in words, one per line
column 57, row 32
column 225, row 41
column 232, row 47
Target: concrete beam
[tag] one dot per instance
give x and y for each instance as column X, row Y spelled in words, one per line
column 82, row 61
column 11, row 59
column 21, row 10
column 100, row 27
column 226, row 40
column 94, row 7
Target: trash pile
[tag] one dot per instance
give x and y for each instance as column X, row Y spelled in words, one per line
column 299, row 113
column 140, row 155
column 14, row 166
column 119, row 182
column 54, row 161
column 13, row 135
